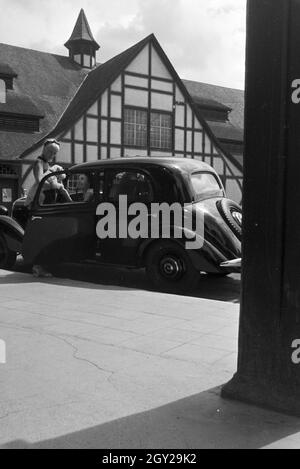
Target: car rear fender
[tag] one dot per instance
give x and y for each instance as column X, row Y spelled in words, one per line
column 205, row 257
column 12, row 232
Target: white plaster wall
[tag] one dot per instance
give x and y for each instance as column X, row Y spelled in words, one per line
column 141, row 63
column 130, row 152
column 104, row 104
column 179, row 140
column 103, row 131
column 115, row 133
column 91, row 153
column 78, row 128
column 64, row 155
column 117, row 85
column 93, row 110
column 158, row 67
column 78, row 153
column 92, row 130
column 162, row 102
column 136, row 81
column 116, row 106
column 198, row 142
column 136, row 97
column 162, row 85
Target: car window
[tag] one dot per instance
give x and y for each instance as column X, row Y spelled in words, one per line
column 135, row 185
column 205, row 184
column 81, row 188
column 64, row 188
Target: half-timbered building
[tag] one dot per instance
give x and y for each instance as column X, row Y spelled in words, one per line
column 134, row 104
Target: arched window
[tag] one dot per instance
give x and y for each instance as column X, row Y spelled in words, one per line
column 2, row 91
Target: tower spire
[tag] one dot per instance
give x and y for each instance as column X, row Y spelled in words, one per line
column 82, row 45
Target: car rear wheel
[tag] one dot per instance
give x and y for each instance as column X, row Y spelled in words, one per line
column 170, row 269
column 7, row 257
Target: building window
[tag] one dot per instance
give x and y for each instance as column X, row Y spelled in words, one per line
column 135, row 128
column 136, row 125
column 19, row 124
column 7, row 170
column 2, row 91
column 161, row 131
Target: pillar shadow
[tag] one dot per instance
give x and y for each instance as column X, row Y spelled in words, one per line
column 203, row 421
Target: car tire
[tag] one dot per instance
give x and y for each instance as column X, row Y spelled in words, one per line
column 228, row 208
column 7, row 257
column 170, row 269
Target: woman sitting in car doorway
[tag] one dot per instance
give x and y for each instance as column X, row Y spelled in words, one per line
column 41, row 167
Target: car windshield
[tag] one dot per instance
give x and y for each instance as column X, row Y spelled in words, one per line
column 205, row 185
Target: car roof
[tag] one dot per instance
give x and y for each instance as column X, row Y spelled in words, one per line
column 182, row 164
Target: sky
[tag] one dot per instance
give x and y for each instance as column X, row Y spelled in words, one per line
column 204, row 39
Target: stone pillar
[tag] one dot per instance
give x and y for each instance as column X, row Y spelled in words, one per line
column 268, row 369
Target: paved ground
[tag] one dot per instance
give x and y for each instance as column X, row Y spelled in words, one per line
column 215, row 288
column 112, row 367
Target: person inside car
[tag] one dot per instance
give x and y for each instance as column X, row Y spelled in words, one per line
column 84, row 187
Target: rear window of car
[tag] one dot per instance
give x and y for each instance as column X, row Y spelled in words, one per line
column 205, row 185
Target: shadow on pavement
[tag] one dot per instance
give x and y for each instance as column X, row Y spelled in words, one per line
column 200, row 421
column 214, row 288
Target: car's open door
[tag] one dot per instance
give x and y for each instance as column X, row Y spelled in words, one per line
column 60, row 232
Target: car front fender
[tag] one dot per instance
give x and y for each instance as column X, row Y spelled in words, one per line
column 12, row 232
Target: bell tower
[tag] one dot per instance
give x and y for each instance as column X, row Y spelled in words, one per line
column 82, row 45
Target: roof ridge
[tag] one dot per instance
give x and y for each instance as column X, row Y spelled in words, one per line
column 212, row 84
column 33, row 50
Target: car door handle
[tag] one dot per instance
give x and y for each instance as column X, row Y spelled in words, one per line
column 36, row 218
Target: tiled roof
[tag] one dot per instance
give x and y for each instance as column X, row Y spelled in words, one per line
column 229, row 97
column 47, row 81
column 226, row 131
column 20, row 104
column 206, row 103
column 6, row 70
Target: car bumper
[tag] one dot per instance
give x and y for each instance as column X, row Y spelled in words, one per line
column 234, row 266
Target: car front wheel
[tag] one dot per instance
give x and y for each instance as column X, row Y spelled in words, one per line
column 170, row 269
column 7, row 257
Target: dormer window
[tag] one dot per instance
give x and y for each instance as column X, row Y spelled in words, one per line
column 8, row 75
column 19, row 114
column 2, row 92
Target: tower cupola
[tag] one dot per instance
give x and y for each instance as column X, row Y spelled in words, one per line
column 82, row 45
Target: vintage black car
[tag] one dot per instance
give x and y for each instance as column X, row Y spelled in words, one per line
column 55, row 230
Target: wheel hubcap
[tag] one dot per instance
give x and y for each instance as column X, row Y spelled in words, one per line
column 171, row 268
column 238, row 217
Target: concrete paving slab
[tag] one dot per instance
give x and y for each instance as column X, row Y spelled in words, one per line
column 101, row 366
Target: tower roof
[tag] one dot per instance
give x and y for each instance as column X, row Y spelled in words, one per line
column 82, row 32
